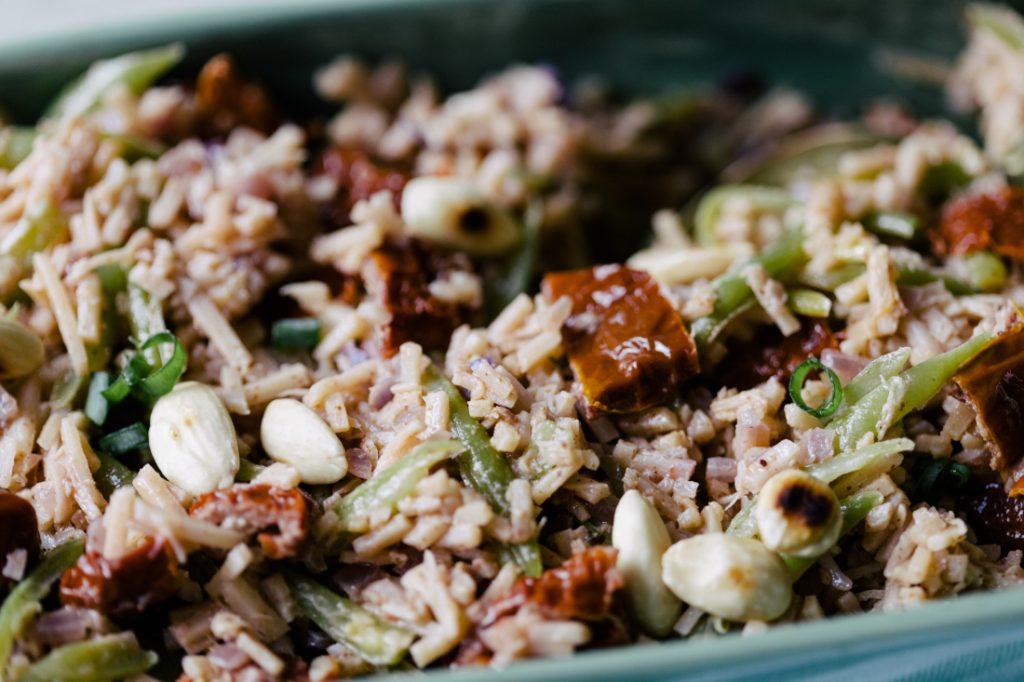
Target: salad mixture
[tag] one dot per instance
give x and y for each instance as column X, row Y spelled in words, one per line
column 520, row 371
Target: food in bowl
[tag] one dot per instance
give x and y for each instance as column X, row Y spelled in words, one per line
column 405, row 387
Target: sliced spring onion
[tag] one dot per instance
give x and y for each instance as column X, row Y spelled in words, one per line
column 112, row 474
column 896, row 224
column 147, row 382
column 809, row 302
column 296, row 334
column 96, row 406
column 796, row 385
column 939, row 475
column 131, row 437
column 941, row 180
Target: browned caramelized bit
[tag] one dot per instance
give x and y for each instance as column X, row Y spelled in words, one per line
column 399, row 278
column 626, row 343
column 770, row 354
column 225, row 100
column 278, row 517
column 359, row 177
column 994, row 221
column 993, row 383
column 124, row 587
column 995, row 516
column 583, row 588
column 18, row 528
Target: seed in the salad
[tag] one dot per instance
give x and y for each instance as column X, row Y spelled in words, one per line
column 641, row 538
column 452, row 213
column 730, row 577
column 21, row 351
column 294, row 434
column 193, row 440
column 797, row 514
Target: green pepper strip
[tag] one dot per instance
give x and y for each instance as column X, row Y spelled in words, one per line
column 107, row 657
column 134, row 70
column 711, row 204
column 387, row 488
column 349, row 624
column 514, row 279
column 42, row 226
column 23, row 603
column 911, row 390
column 482, row 468
column 854, row 509
column 876, row 371
column 732, row 293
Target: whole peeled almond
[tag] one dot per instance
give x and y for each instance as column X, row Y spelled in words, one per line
column 731, row 577
column 641, row 538
column 193, row 440
column 294, row 434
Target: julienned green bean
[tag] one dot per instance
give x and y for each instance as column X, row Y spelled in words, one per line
column 900, row 395
column 808, row 302
column 135, row 71
column 855, row 509
column 106, row 657
column 879, row 369
column 733, row 294
column 387, row 488
column 480, row 465
column 349, row 624
column 23, row 603
column 711, row 204
column 42, row 226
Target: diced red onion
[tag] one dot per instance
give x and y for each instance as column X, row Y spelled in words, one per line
column 819, row 444
column 721, row 469
column 228, row 656
column 846, row 366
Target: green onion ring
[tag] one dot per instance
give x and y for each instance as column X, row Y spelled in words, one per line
column 796, row 385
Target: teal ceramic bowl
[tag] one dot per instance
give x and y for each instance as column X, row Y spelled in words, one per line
column 837, row 50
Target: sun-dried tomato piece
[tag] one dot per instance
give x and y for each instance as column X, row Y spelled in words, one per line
column 993, row 383
column 995, row 516
column 124, row 587
column 993, row 220
column 583, row 588
column 399, row 278
column 225, row 100
column 18, row 529
column 359, row 177
column 626, row 343
column 278, row 517
column 770, row 354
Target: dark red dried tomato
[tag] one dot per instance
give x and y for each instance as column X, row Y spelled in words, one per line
column 626, row 343
column 359, row 177
column 583, row 588
column 399, row 278
column 225, row 100
column 279, row 518
column 994, row 220
column 18, row 528
column 993, row 383
column 124, row 587
column 995, row 516
column 770, row 354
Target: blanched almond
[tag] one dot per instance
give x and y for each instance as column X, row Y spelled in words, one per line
column 294, row 434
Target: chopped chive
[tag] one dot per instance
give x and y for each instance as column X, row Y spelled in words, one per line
column 796, row 385
column 131, row 437
column 295, row 334
column 96, row 406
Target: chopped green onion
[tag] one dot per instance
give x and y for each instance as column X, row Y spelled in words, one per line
column 296, row 334
column 796, row 385
column 892, row 224
column 112, row 474
column 941, row 180
column 104, row 657
column 147, row 382
column 809, row 302
column 131, row 437
column 940, row 475
column 96, row 406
